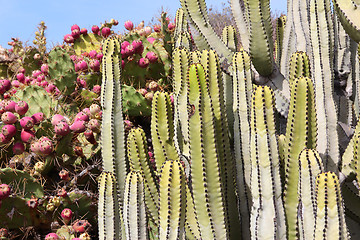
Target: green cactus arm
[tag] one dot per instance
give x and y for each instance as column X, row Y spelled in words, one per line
column 112, row 133
column 242, row 21
column 356, row 157
column 134, row 207
column 261, row 44
column 242, row 91
column 197, row 13
column 210, row 63
column 348, row 13
column 310, row 165
column 181, row 24
column 280, row 28
column 348, row 156
column 229, row 37
column 330, row 217
column 322, row 73
column 351, row 198
column 192, row 229
column 138, row 161
column 181, row 61
column 299, row 66
column 301, row 132
column 162, row 129
column 172, row 199
column 265, row 170
column 183, row 39
column 301, row 26
column 205, row 168
column 110, row 219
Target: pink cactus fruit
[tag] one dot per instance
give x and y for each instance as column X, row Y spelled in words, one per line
column 3, row 231
column 97, row 89
column 114, row 22
column 62, row 128
column 15, row 83
column 62, row 193
column 150, row 40
column 152, row 57
column 105, row 32
column 99, row 56
column 124, row 44
column 129, row 50
column 35, row 73
column 122, row 64
column 21, row 107
column 32, row 203
column 83, row 66
column 52, row 236
column 18, row 148
column 46, row 147
column 40, row 78
column 148, row 30
column 57, row 118
column 27, row 136
column 92, row 54
column 8, row 118
column 157, row 28
column 141, row 32
column 38, row 117
column 27, row 123
column 95, row 29
column 143, row 62
column 81, row 226
column 172, row 98
column 7, row 84
column 153, row 86
column 149, row 96
column 89, row 135
column 8, row 130
column 142, row 91
column 5, row 191
column 64, row 175
column 81, row 116
column 4, row 139
column 94, row 109
column 86, row 111
column 95, row 65
column 75, row 26
column 94, row 125
column 68, row 38
column 66, row 215
column 138, row 46
column 20, row 77
column 171, row 26
column 45, row 68
column 75, row 33
column 35, row 147
column 78, row 126
column 129, row 25
column 128, row 125
column 84, row 31
column 2, row 87
column 9, row 105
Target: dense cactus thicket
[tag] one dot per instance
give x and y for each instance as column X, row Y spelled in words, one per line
column 178, row 133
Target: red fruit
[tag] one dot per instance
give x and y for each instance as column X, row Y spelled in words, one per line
column 152, row 57
column 8, row 118
column 122, row 64
column 97, row 89
column 89, row 135
column 99, row 56
column 57, row 118
column 18, row 148
column 45, row 68
column 75, row 33
column 81, row 226
column 142, row 91
column 129, row 50
column 95, row 29
column 153, row 86
column 9, row 105
column 33, row 203
column 84, row 31
column 124, row 44
column 75, row 26
column 68, row 38
column 92, row 54
column 81, row 116
column 21, row 107
column 36, row 73
column 52, row 236
column 35, row 147
column 171, row 26
column 21, row 77
column 38, row 117
column 8, row 130
column 62, row 128
column 4, row 191
column 62, row 193
column 78, row 126
column 4, row 139
column 15, row 83
column 86, row 111
column 64, row 175
column 66, row 215
column 94, row 109
column 3, row 231
column 95, row 65
column 27, row 136
column 105, row 32
column 149, row 96
column 143, row 62
column 151, row 40
column 129, row 25
column 79, row 151
column 94, row 125
column 83, row 66
column 157, row 28
column 46, row 147
column 138, row 46
column 128, row 125
column 27, row 123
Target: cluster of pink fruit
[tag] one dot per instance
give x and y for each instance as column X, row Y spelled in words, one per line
column 79, row 228
column 86, row 122
column 87, row 60
column 128, row 50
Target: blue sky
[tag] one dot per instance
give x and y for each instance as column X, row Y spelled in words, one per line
column 19, row 18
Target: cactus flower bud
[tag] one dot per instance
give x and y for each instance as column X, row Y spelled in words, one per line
column 129, row 25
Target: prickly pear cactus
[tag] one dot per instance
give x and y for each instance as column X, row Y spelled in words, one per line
column 134, row 104
column 86, row 43
column 62, row 70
